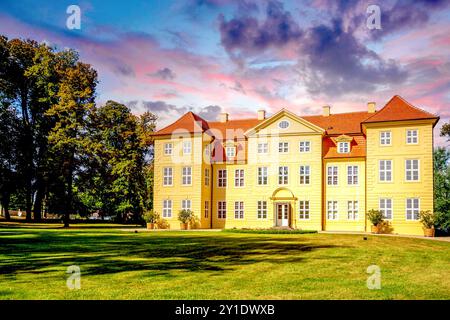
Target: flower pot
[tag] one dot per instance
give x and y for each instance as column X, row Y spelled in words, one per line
column 183, row 226
column 150, row 225
column 428, row 232
column 376, row 229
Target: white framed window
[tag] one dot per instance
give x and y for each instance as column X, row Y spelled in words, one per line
column 305, row 174
column 239, row 209
column 332, row 210
column 343, row 147
column 167, row 208
column 385, row 170
column 168, row 148
column 352, row 175
column 208, row 151
column 412, row 170
column 167, row 177
column 303, row 209
column 207, row 178
column 412, row 136
column 305, row 146
column 386, row 208
column 352, row 210
column 263, row 147
column 186, row 177
column 186, row 204
column 262, row 209
column 283, row 147
column 332, row 175
column 284, row 124
column 262, row 176
column 283, row 175
column 206, row 209
column 222, row 209
column 412, row 208
column 239, row 177
column 222, row 178
column 231, row 152
column 385, row 138
column 187, row 147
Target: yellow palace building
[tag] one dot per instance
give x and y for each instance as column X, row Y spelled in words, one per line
column 315, row 172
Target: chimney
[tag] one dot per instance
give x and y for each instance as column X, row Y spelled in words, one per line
column 223, row 117
column 371, row 107
column 261, row 114
column 326, row 111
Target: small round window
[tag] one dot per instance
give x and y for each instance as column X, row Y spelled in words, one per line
column 283, row 124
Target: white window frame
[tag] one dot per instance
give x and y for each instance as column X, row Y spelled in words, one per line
column 262, row 176
column 352, row 175
column 409, row 173
column 168, row 148
column 333, row 175
column 222, row 178
column 239, row 210
column 262, row 148
column 187, row 147
column 167, row 176
column 384, row 172
column 412, row 213
column 383, row 206
column 167, row 208
column 385, row 138
column 206, row 209
column 239, row 178
column 186, row 176
column 207, row 177
column 333, row 210
column 304, row 146
column 221, row 209
column 305, row 175
column 230, row 151
column 412, row 138
column 186, row 204
column 304, row 209
column 283, row 175
column 262, row 209
column 283, row 147
column 344, row 147
column 352, row 209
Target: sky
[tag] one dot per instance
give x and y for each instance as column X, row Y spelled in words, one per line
column 212, row 56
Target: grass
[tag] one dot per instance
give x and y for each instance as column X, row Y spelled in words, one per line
column 117, row 264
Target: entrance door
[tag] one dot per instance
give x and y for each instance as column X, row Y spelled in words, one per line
column 283, row 214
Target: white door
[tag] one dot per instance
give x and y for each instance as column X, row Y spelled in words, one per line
column 283, row 214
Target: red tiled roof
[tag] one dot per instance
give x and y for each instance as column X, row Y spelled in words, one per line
column 189, row 122
column 357, row 148
column 233, row 128
column 399, row 109
column 341, row 122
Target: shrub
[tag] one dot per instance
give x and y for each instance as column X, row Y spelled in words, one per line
column 151, row 216
column 427, row 218
column 442, row 221
column 375, row 216
column 185, row 215
column 162, row 224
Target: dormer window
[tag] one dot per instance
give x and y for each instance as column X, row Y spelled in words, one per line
column 231, row 152
column 344, row 147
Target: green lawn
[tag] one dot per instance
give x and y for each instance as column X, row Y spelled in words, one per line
column 217, row 265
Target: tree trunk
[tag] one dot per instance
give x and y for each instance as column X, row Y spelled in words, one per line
column 38, row 204
column 69, row 192
column 5, row 205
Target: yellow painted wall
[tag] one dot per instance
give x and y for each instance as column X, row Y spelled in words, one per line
column 344, row 192
column 400, row 189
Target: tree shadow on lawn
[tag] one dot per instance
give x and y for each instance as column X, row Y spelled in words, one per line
column 107, row 253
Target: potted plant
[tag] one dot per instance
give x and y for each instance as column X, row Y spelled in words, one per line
column 151, row 217
column 427, row 218
column 185, row 216
column 376, row 218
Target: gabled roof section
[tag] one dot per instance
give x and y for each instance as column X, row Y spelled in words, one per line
column 232, row 129
column 278, row 115
column 398, row 109
column 357, row 148
column 189, row 122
